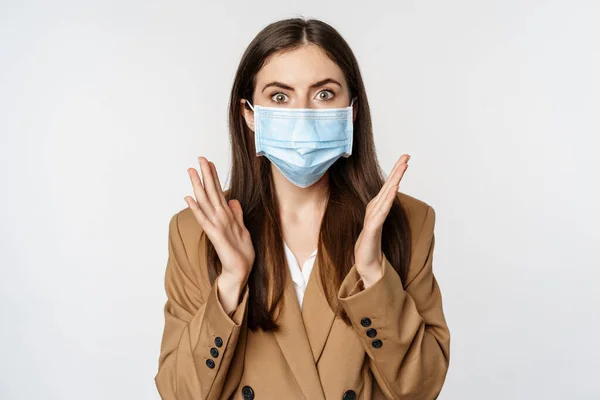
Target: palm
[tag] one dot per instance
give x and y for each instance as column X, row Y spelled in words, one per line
column 222, row 221
column 367, row 250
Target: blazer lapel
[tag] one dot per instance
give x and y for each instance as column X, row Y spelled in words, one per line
column 318, row 317
column 294, row 343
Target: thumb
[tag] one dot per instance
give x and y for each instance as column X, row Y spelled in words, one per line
column 236, row 208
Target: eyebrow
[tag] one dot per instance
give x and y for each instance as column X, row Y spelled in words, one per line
column 314, row 85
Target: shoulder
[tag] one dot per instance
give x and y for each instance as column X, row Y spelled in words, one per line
column 421, row 219
column 421, row 215
column 186, row 221
column 412, row 204
column 185, row 230
column 187, row 246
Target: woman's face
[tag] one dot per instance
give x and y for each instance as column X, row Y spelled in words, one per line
column 301, row 78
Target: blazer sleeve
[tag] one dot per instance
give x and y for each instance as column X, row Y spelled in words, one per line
column 195, row 323
column 409, row 352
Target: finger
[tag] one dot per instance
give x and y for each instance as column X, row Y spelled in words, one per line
column 198, row 213
column 209, row 183
column 236, row 209
column 387, row 181
column 382, row 193
column 200, row 194
column 394, row 183
column 386, row 203
column 213, row 169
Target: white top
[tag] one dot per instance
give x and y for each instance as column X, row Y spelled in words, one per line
column 299, row 276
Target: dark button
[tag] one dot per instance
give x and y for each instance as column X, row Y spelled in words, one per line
column 210, row 363
column 247, row 392
column 218, row 341
column 377, row 343
column 349, row 395
column 214, row 352
column 365, row 322
column 371, row 332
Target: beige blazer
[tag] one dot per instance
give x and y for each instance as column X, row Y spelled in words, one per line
column 397, row 346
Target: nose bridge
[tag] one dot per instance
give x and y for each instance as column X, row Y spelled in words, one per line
column 303, row 101
column 305, row 130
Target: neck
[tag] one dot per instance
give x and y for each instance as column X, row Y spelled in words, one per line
column 297, row 201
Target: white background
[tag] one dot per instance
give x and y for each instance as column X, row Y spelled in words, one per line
column 104, row 105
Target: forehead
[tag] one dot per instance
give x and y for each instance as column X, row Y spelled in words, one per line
column 299, row 68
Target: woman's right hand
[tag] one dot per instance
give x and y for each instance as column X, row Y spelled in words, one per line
column 223, row 223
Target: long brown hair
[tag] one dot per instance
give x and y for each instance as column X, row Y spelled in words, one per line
column 354, row 181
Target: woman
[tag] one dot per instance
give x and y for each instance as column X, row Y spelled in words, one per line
column 362, row 318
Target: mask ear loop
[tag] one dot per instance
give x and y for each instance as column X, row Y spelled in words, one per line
column 250, row 105
column 352, row 102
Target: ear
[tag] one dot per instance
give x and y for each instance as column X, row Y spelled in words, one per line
column 248, row 114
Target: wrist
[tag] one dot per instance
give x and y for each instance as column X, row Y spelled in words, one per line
column 371, row 276
column 232, row 281
column 229, row 290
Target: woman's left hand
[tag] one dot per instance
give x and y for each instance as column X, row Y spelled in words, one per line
column 367, row 250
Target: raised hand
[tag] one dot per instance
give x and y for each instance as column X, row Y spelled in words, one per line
column 223, row 223
column 367, row 250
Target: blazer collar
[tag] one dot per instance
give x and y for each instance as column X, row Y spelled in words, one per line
column 317, row 316
column 302, row 334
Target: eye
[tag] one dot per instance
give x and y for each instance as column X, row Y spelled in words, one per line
column 325, row 95
column 278, row 97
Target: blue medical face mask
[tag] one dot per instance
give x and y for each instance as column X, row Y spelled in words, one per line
column 303, row 142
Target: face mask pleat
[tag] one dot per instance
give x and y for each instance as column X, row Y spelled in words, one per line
column 303, row 143
column 301, row 176
column 285, row 144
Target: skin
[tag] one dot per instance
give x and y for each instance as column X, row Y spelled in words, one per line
column 301, row 209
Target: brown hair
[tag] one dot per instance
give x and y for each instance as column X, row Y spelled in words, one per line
column 354, row 181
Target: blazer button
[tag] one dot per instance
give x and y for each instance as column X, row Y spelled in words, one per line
column 214, row 352
column 210, row 363
column 365, row 322
column 371, row 332
column 377, row 343
column 247, row 392
column 349, row 395
column 218, row 341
